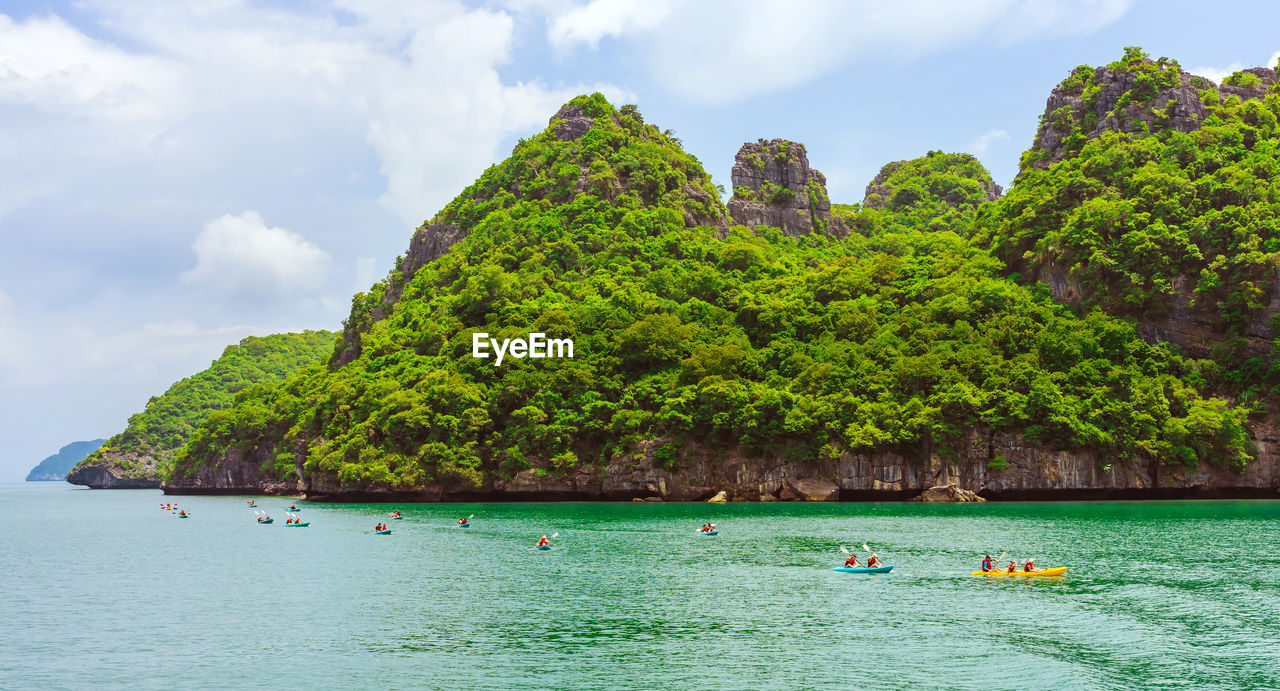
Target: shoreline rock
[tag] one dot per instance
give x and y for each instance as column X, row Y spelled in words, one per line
column 948, row 494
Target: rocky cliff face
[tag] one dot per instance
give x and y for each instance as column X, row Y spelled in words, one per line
column 773, row 185
column 1001, row 466
column 1106, row 99
column 1106, row 107
column 116, row 471
column 239, row 473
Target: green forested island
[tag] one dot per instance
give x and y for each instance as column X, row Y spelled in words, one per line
column 1106, row 324
column 142, row 453
column 55, row 467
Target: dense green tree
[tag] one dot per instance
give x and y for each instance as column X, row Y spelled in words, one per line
column 901, row 333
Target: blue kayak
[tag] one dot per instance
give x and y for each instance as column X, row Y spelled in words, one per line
column 297, row 525
column 544, row 546
column 711, row 532
column 266, row 522
column 863, row 569
column 382, row 532
column 464, row 525
column 397, row 518
column 184, row 515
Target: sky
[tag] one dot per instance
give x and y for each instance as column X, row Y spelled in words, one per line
column 177, row 176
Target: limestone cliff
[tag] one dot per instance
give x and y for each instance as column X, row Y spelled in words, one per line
column 1000, row 466
column 1140, row 97
column 773, row 185
column 1115, row 102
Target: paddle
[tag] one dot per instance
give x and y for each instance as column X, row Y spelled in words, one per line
column 553, row 536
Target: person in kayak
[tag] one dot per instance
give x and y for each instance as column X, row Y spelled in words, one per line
column 182, row 513
column 986, row 564
column 262, row 518
column 851, row 562
column 1013, row 566
column 543, row 541
column 1030, row 566
column 873, row 562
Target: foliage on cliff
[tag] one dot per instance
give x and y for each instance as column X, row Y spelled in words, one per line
column 168, row 421
column 937, row 191
column 901, row 333
column 1134, row 207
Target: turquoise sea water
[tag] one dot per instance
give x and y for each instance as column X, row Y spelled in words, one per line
column 103, row 588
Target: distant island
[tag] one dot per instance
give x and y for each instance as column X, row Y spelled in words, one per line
column 56, row 467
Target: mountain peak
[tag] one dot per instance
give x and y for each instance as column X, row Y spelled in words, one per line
column 773, row 185
column 1134, row 95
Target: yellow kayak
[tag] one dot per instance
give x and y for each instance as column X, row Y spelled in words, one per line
column 1026, row 574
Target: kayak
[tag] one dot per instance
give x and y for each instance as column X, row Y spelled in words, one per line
column 710, row 532
column 397, row 518
column 382, row 532
column 544, row 546
column 464, row 525
column 1042, row 572
column 293, row 508
column 269, row 520
column 297, row 525
column 184, row 515
column 863, row 569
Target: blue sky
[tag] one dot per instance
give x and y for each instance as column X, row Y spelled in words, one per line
column 179, row 175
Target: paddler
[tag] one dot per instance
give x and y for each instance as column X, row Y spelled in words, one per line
column 462, row 521
column 1030, row 566
column 182, row 513
column 873, row 562
column 543, row 541
column 1013, row 566
column 986, row 564
column 851, row 562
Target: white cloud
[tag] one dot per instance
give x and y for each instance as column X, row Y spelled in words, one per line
column 728, row 50
column 984, row 141
column 241, row 255
column 210, row 84
column 1217, row 74
column 587, row 24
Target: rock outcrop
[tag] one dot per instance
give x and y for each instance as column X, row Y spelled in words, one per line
column 107, row 475
column 773, row 185
column 948, row 494
column 808, row 489
column 1177, row 107
column 1115, row 101
column 571, row 122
